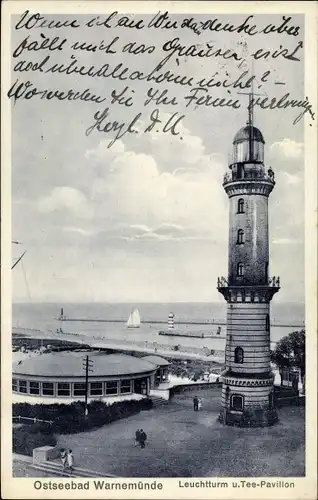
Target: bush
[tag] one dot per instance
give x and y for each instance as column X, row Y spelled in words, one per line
column 26, row 438
column 70, row 419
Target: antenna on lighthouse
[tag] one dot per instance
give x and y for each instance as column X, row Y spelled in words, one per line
column 251, row 118
column 250, row 122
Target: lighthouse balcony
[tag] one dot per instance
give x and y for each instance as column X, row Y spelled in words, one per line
column 247, row 292
column 239, row 174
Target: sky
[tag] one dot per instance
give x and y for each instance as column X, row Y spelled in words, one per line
column 147, row 219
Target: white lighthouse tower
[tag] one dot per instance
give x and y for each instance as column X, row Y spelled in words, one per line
column 247, row 382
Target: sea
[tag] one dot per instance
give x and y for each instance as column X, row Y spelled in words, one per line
column 285, row 318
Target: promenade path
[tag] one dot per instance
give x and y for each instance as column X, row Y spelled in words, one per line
column 147, row 347
column 184, row 443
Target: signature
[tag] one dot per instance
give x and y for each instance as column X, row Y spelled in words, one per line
column 103, row 123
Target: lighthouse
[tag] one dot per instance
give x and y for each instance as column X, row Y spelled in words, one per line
column 247, row 381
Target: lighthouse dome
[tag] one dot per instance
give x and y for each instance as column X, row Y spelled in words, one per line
column 248, row 146
column 244, row 135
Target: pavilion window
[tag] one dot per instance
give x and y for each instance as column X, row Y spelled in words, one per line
column 63, row 389
column 237, row 402
column 96, row 388
column 240, row 206
column 23, row 386
column 240, row 237
column 111, row 387
column 34, row 387
column 239, row 355
column 47, row 388
column 125, row 386
column 79, row 389
column 14, row 385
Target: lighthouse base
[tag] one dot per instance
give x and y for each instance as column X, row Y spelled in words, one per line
column 248, row 400
column 258, row 417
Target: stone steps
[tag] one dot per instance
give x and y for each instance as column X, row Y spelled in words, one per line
column 158, row 401
column 56, row 469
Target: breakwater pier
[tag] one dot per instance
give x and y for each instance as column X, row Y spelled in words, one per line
column 164, row 322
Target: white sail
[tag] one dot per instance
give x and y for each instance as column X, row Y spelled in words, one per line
column 134, row 319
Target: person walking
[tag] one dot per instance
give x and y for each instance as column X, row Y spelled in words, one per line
column 142, row 438
column 70, row 460
column 137, row 438
column 63, row 458
column 200, row 404
column 195, row 403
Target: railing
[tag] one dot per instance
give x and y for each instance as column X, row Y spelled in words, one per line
column 272, row 282
column 222, row 282
column 34, row 419
column 250, row 175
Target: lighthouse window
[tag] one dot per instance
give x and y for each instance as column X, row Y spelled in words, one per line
column 240, row 206
column 267, row 322
column 266, row 272
column 239, row 355
column 237, row 402
column 240, row 269
column 240, row 237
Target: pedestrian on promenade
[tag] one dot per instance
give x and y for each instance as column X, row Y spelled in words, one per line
column 142, row 438
column 195, row 403
column 137, row 438
column 70, row 460
column 63, row 458
column 200, row 404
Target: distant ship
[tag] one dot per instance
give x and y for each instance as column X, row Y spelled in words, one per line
column 134, row 319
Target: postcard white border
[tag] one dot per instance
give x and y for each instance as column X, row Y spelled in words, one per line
column 305, row 488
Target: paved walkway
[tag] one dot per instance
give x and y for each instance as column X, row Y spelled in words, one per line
column 184, row 443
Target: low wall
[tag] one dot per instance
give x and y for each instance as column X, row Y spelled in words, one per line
column 286, row 400
column 45, row 453
column 177, row 389
column 290, row 401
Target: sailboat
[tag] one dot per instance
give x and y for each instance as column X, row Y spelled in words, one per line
column 134, row 319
